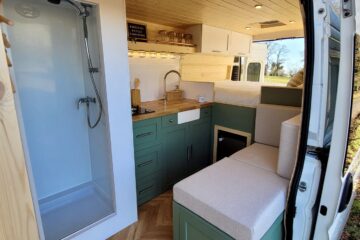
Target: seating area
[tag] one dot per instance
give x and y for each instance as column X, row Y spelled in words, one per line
column 245, row 194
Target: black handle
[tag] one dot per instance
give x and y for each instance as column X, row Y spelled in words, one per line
column 144, row 135
column 171, row 121
column 145, row 163
column 189, row 152
column 347, row 193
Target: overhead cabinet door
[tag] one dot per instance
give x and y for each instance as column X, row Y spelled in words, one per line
column 239, row 44
column 214, row 40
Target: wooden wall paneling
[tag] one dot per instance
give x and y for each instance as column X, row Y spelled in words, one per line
column 17, row 214
column 205, row 67
column 278, row 35
column 233, row 15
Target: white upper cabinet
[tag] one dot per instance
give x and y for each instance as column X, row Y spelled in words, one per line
column 217, row 40
column 214, row 40
column 239, row 44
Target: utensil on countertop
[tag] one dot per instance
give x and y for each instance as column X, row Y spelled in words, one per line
column 135, row 94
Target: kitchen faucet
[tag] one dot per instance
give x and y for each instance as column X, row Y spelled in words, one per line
column 166, row 75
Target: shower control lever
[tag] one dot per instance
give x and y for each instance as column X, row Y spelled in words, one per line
column 86, row 100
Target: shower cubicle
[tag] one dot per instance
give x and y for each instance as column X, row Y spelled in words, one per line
column 61, row 100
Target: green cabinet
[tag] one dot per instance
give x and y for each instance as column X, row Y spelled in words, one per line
column 199, row 144
column 147, row 132
column 189, row 226
column 148, row 169
column 166, row 152
column 175, row 153
column 187, row 147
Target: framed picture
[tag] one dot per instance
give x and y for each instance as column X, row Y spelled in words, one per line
column 137, row 32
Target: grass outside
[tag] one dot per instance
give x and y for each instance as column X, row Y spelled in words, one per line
column 277, row 79
column 352, row 228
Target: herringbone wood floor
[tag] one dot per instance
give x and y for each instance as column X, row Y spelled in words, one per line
column 155, row 221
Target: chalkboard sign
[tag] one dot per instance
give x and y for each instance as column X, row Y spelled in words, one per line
column 137, row 32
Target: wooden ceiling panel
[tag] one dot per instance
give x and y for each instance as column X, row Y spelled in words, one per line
column 236, row 15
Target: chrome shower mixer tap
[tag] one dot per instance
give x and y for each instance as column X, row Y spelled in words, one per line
column 86, row 100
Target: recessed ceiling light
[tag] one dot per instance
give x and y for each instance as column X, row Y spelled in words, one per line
column 292, row 21
column 248, row 28
column 258, row 6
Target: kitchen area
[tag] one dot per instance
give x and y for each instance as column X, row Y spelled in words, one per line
column 172, row 118
column 174, row 65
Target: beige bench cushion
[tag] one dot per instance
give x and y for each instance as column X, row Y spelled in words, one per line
column 259, row 155
column 268, row 122
column 238, row 198
column 289, row 139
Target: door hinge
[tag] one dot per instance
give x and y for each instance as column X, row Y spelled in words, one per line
column 347, row 8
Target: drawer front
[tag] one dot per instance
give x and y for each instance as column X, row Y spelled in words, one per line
column 205, row 112
column 170, row 120
column 147, row 188
column 148, row 161
column 147, row 132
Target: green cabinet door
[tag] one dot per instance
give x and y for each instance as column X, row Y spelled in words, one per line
column 175, row 153
column 200, row 144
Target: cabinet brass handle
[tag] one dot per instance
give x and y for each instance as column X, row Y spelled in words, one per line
column 145, row 163
column 144, row 190
column 144, row 135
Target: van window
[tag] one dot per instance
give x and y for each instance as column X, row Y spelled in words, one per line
column 253, row 72
column 284, row 59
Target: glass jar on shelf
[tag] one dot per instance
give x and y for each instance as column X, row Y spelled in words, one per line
column 163, row 36
column 180, row 37
column 188, row 38
column 172, row 37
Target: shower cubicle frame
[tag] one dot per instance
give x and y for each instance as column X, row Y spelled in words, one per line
column 114, row 222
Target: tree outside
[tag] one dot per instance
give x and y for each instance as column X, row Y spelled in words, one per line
column 285, row 58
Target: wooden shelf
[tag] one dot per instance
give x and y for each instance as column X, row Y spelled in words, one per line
column 159, row 47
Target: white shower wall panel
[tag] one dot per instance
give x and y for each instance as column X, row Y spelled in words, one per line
column 98, row 137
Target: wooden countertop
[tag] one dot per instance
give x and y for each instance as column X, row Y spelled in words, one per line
column 162, row 109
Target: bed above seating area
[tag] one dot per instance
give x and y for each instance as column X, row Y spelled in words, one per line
column 243, row 195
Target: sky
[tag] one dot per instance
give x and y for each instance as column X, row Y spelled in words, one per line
column 295, row 56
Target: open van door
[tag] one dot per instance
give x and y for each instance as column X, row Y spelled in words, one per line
column 323, row 184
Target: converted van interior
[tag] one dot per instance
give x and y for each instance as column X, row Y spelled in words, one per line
column 156, row 119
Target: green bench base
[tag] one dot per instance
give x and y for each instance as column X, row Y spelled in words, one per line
column 189, row 226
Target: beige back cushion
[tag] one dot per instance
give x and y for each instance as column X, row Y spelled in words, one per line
column 289, row 139
column 268, row 122
column 296, row 80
